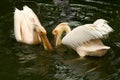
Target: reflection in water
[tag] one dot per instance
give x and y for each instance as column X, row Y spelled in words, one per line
column 25, row 62
column 65, row 7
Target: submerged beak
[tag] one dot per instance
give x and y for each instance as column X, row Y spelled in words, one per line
column 46, row 43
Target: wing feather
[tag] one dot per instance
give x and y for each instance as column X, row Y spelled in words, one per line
column 33, row 17
column 85, row 33
column 27, row 29
column 23, row 25
column 17, row 22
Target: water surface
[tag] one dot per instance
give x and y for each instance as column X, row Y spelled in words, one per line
column 20, row 61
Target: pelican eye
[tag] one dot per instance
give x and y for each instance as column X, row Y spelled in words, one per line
column 34, row 30
column 43, row 33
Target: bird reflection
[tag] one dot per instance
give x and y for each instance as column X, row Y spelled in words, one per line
column 65, row 7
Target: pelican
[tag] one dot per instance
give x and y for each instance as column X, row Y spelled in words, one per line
column 28, row 29
column 84, row 39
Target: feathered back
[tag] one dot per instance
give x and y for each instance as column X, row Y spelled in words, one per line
column 87, row 32
column 102, row 26
column 33, row 17
column 23, row 25
column 17, row 22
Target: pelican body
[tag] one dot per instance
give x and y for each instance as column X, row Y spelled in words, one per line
column 86, row 39
column 28, row 29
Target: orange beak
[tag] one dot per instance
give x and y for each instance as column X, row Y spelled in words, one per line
column 55, row 40
column 46, row 43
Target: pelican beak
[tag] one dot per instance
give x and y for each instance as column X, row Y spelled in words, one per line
column 46, row 43
column 55, row 34
column 55, row 40
column 42, row 33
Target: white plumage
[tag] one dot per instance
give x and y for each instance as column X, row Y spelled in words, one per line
column 24, row 21
column 87, row 32
column 28, row 29
column 85, row 39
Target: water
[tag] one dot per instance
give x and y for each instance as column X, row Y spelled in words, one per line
column 19, row 61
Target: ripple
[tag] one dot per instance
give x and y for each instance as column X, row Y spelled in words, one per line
column 33, row 63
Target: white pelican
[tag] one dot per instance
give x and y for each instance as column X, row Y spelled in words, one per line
column 85, row 39
column 27, row 28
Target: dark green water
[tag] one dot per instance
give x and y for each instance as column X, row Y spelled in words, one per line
column 19, row 61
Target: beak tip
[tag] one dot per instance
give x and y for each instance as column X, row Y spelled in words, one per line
column 46, row 43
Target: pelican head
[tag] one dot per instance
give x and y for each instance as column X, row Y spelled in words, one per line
column 42, row 33
column 59, row 30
